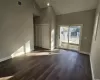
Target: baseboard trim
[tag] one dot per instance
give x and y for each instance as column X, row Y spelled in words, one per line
column 84, row 52
column 4, row 59
column 9, row 57
column 92, row 69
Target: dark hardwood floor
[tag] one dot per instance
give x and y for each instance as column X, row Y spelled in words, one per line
column 66, row 65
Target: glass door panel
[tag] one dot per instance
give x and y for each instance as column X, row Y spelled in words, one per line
column 64, row 36
column 74, row 37
column 70, row 37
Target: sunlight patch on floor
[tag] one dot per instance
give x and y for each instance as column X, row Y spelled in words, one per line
column 41, row 53
column 6, row 78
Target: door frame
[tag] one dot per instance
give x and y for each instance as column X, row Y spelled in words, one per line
column 80, row 39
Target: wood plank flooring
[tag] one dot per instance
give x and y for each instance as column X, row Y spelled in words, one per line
column 67, row 65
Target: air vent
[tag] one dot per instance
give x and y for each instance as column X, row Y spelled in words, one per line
column 19, row 3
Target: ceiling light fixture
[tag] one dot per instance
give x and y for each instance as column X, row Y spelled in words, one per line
column 48, row 4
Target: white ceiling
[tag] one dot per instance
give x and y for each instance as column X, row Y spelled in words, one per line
column 68, row 6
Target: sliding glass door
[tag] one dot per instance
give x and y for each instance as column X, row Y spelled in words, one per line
column 70, row 37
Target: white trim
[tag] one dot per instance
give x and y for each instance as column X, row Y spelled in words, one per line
column 84, row 52
column 80, row 38
column 6, row 58
column 72, row 25
column 42, row 24
column 92, row 69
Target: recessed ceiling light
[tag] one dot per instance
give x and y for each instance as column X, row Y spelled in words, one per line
column 48, row 4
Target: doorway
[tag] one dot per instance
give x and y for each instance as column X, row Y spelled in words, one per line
column 70, row 37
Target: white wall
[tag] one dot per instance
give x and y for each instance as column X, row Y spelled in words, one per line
column 95, row 50
column 53, row 28
column 16, row 26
